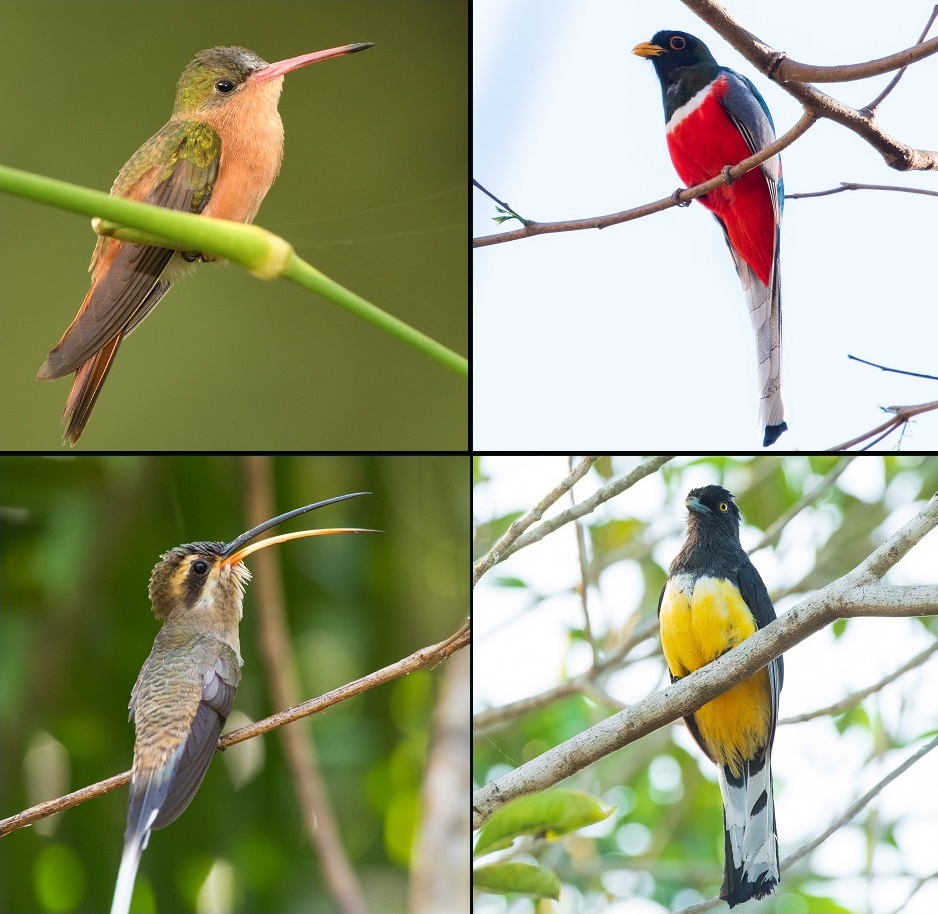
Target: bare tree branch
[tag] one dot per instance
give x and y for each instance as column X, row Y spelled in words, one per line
column 787, row 73
column 861, row 592
column 870, row 109
column 425, row 658
column 847, row 185
column 681, row 197
column 610, row 490
column 911, row 374
column 901, row 416
column 855, row 698
column 502, row 548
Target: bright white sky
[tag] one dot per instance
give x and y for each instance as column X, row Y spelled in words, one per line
column 818, row 771
column 637, row 336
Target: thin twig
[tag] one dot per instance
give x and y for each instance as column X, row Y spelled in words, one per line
column 426, row 657
column 502, row 548
column 870, row 109
column 856, row 697
column 501, row 203
column 911, row 374
column 848, row 185
column 680, row 197
column 901, row 416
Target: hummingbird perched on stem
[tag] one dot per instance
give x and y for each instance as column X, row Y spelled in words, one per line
column 186, row 688
column 218, row 155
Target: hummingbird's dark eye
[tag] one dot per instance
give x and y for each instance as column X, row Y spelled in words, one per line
column 200, row 567
column 225, row 86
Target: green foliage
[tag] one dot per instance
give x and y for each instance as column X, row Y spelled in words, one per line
column 517, row 878
column 549, row 814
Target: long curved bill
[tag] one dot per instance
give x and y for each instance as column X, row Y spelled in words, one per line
column 281, row 67
column 242, row 554
column 238, row 549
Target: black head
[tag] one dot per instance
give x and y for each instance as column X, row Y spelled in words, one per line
column 673, row 51
column 712, row 507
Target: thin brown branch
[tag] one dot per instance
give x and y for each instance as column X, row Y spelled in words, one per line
column 500, row 203
column 911, row 374
column 680, row 197
column 870, row 109
column 776, row 65
column 848, row 185
column 425, row 658
column 901, row 416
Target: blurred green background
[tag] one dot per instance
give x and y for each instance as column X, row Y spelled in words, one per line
column 372, row 193
column 80, row 538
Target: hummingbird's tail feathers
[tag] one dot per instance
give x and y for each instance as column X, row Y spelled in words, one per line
column 84, row 393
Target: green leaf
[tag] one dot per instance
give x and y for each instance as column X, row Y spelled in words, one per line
column 549, row 814
column 522, row 878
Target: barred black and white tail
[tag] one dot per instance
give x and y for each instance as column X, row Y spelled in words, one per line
column 751, row 867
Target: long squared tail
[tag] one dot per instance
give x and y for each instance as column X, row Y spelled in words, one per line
column 751, row 867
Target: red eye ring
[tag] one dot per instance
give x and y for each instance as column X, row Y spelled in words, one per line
column 678, row 43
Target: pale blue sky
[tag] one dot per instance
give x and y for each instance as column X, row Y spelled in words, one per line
column 637, row 336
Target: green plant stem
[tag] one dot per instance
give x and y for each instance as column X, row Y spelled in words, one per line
column 262, row 253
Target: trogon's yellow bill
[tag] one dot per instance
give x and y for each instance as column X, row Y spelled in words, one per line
column 714, row 599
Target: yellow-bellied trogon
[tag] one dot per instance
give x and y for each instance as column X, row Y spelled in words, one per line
column 714, row 599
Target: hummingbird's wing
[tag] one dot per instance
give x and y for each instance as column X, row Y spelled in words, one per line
column 179, row 704
column 177, row 169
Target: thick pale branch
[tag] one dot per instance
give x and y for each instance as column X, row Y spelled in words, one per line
column 426, row 657
column 857, row 593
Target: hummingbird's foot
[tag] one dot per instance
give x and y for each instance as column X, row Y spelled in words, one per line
column 193, row 256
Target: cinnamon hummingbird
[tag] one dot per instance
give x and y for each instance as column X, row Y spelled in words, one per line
column 218, row 155
column 187, row 685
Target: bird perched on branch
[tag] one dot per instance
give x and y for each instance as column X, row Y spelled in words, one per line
column 713, row 600
column 187, row 685
column 715, row 118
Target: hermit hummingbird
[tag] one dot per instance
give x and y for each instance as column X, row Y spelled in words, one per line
column 218, row 155
column 187, row 685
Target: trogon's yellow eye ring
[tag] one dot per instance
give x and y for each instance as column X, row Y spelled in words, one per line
column 724, row 507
